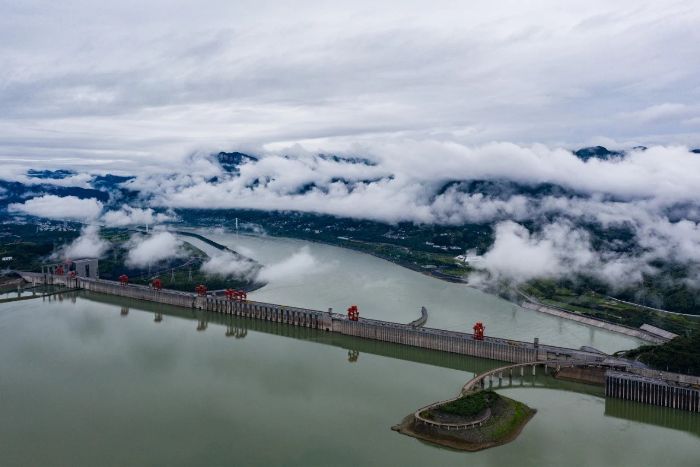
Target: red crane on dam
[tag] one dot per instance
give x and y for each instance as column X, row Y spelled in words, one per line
column 123, row 279
column 201, row 290
column 157, row 284
column 59, row 270
column 353, row 313
column 479, row 329
column 233, row 294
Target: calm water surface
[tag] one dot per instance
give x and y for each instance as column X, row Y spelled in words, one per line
column 89, row 380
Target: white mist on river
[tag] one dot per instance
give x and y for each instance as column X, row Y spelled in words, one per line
column 338, row 278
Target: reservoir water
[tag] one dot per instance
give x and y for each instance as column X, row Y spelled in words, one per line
column 88, row 379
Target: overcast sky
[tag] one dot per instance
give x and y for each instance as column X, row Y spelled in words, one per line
column 138, row 84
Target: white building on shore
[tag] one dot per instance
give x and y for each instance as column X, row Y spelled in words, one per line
column 469, row 257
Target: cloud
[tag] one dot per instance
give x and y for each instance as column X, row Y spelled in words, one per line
column 60, row 207
column 558, row 250
column 659, row 112
column 147, row 250
column 147, row 92
column 298, row 264
column 129, row 215
column 227, row 264
column 407, row 180
column 88, row 245
column 519, row 255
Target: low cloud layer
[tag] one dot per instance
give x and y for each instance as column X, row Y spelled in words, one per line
column 145, row 250
column 558, row 250
column 403, row 182
column 226, row 264
column 653, row 193
column 87, row 245
column 129, row 215
column 60, row 208
column 297, row 265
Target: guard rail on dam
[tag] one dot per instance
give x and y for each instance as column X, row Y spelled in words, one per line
column 621, row 381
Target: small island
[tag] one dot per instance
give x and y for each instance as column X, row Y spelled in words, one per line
column 473, row 422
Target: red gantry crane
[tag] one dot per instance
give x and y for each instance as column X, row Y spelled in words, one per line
column 233, row 294
column 353, row 313
column 201, row 290
column 479, row 331
column 123, row 279
column 157, row 284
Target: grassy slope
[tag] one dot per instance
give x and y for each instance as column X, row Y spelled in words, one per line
column 681, row 355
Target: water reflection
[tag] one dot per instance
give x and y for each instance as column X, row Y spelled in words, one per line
column 239, row 328
column 236, row 331
column 660, row 416
column 296, row 377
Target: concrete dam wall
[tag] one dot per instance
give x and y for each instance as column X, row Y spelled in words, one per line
column 633, row 384
column 406, row 334
column 652, row 391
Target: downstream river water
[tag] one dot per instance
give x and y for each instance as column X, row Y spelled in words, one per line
column 88, row 379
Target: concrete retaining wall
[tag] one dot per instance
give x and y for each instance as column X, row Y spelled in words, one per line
column 633, row 332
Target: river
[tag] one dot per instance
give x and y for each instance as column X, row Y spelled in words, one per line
column 320, row 276
column 88, row 379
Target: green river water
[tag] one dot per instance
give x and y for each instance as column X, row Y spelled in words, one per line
column 89, row 380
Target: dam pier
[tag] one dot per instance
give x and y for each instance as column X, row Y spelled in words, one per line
column 622, row 379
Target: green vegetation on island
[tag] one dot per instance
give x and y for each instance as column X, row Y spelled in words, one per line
column 500, row 421
column 470, row 405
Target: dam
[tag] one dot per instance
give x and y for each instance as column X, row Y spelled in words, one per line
column 619, row 373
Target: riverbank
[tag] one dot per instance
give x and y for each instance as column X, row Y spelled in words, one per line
column 505, row 421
